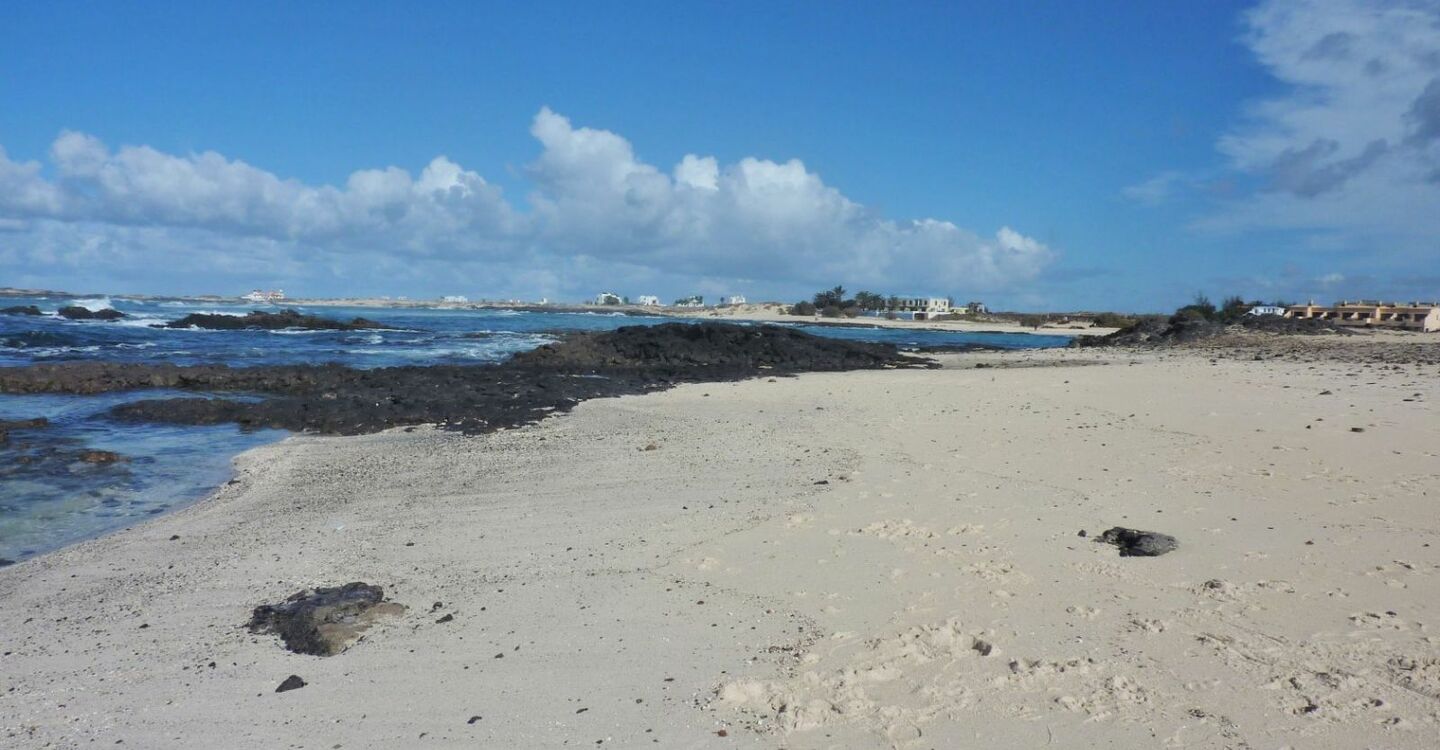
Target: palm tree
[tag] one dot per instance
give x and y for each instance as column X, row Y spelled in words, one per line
column 831, row 298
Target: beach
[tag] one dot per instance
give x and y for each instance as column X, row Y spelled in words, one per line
column 878, row 558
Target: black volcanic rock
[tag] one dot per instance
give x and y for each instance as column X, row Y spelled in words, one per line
column 258, row 319
column 716, row 347
column 21, row 310
column 1183, row 330
column 1137, row 543
column 293, row 682
column 472, row 398
column 324, row 621
column 75, row 312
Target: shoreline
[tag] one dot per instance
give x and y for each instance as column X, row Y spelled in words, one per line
column 844, row 544
column 754, row 312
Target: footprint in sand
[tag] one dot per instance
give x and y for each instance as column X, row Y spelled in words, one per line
column 1147, row 625
column 1388, row 620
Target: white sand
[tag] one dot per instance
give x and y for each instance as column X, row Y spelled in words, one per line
column 847, row 614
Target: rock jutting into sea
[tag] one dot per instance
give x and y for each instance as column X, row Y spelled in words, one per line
column 333, row 399
column 258, row 319
column 75, row 312
column 21, row 310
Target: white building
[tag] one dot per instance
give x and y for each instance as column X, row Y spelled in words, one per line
column 647, row 300
column 274, row 295
column 606, row 298
column 456, row 298
column 921, row 308
column 976, row 308
column 1266, row 310
column 691, row 301
column 734, row 299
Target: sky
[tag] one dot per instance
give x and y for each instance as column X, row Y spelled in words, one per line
column 1033, row 155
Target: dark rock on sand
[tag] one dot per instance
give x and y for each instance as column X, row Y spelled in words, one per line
column 258, row 319
column 471, row 398
column 324, row 621
column 74, row 312
column 717, row 348
column 21, row 310
column 1180, row 329
column 293, row 682
column 4, row 561
column 1136, row 543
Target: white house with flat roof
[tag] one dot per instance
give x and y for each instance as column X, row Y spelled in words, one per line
column 921, row 308
column 607, row 298
column 647, row 300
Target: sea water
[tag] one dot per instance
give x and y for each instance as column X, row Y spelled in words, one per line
column 49, row 496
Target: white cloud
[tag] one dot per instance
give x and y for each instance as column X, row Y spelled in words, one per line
column 1353, row 144
column 596, row 215
column 1157, row 189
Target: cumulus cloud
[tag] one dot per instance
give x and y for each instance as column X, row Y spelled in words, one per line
column 1353, row 143
column 595, row 212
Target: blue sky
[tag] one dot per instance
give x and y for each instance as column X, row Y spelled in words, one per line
column 1036, row 155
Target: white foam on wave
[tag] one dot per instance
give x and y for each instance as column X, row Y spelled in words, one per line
column 140, row 320
column 94, row 304
column 58, row 351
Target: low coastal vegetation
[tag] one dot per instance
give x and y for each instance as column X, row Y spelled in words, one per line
column 1203, row 319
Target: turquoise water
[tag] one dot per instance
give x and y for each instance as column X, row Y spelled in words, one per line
column 49, row 496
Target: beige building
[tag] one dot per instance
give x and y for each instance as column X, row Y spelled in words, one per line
column 1416, row 316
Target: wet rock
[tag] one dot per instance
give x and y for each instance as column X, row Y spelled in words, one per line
column 476, row 398
column 324, row 621
column 4, row 561
column 270, row 321
column 293, row 682
column 75, row 312
column 1137, row 543
column 20, row 424
column 100, row 457
column 21, row 310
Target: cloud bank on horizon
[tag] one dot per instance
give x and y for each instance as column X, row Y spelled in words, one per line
column 597, row 217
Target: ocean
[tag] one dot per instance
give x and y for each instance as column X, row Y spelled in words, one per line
column 50, row 496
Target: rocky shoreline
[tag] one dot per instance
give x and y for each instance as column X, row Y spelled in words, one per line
column 259, row 319
column 332, row 399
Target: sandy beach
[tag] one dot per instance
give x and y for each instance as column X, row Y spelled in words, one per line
column 863, row 559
